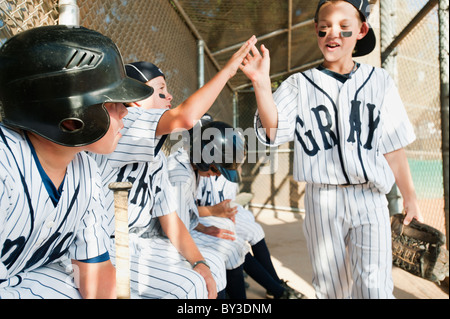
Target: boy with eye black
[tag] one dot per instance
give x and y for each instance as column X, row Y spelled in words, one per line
column 349, row 126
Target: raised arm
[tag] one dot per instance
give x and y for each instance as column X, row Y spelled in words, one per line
column 256, row 67
column 192, row 109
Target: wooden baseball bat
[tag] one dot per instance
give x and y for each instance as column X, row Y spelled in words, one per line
column 121, row 190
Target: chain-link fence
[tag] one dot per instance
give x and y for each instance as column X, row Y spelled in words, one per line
column 148, row 30
column 154, row 30
column 418, row 79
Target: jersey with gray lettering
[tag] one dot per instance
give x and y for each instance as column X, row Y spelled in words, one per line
column 183, row 178
column 214, row 190
column 341, row 130
column 35, row 231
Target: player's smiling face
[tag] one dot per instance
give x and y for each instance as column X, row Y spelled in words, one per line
column 338, row 28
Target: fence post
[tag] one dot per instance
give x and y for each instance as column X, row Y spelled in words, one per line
column 387, row 35
column 201, row 63
column 69, row 12
column 443, row 58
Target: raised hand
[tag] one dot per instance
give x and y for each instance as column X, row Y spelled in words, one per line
column 256, row 66
column 237, row 58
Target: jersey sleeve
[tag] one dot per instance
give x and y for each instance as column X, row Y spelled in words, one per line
column 165, row 201
column 139, row 142
column 286, row 101
column 182, row 179
column 398, row 131
column 8, row 200
column 92, row 241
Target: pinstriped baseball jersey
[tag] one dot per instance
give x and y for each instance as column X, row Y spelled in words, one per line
column 35, row 230
column 157, row 268
column 138, row 144
column 160, row 248
column 150, row 197
column 341, row 130
column 215, row 189
column 182, row 177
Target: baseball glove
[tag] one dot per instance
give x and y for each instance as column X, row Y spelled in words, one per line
column 417, row 248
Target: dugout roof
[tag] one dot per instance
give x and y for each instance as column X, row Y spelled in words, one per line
column 285, row 27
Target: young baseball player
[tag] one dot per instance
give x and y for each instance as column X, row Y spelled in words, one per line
column 166, row 263
column 227, row 151
column 349, row 126
column 151, row 209
column 61, row 93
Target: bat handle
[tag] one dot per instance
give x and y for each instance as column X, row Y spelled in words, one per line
column 121, row 190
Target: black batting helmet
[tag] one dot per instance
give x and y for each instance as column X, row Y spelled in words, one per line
column 219, row 144
column 53, row 74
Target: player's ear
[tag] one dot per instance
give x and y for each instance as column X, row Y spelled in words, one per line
column 363, row 31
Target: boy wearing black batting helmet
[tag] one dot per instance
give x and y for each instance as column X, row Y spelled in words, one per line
column 212, row 148
column 61, row 94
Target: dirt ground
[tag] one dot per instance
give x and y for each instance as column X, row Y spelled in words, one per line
column 287, row 244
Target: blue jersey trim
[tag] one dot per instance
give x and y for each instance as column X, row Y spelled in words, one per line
column 55, row 194
column 96, row 260
column 337, row 76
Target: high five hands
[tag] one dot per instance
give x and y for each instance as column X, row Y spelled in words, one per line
column 256, row 65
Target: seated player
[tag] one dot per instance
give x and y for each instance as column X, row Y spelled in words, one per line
column 61, row 94
column 215, row 194
column 185, row 168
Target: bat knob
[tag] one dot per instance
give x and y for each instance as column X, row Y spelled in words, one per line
column 119, row 186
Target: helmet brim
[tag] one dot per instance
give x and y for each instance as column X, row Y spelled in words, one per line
column 229, row 174
column 129, row 90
